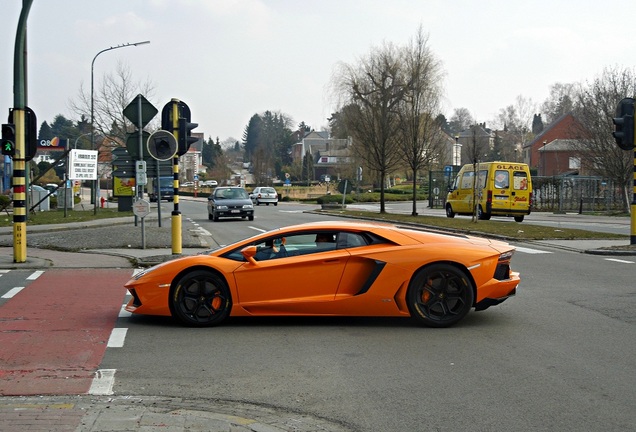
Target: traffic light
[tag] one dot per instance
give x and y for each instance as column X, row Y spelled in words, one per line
column 185, row 138
column 30, row 134
column 8, row 139
column 624, row 122
column 175, row 118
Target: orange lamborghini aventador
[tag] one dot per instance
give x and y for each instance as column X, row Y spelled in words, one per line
column 332, row 268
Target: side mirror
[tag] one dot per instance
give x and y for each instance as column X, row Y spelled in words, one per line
column 248, row 253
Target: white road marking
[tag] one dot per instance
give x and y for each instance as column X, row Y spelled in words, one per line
column 117, row 337
column 12, row 292
column 531, row 251
column 619, row 260
column 123, row 313
column 257, row 229
column 103, row 382
column 35, row 275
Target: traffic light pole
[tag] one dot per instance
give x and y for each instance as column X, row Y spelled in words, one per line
column 19, row 160
column 176, row 214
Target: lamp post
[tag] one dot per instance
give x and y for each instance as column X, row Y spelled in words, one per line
column 96, row 183
column 457, row 152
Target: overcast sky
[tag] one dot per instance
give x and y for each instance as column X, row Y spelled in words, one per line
column 230, row 59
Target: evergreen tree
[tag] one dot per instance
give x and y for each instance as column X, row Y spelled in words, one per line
column 537, row 124
column 46, row 133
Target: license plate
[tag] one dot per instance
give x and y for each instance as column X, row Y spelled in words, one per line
column 235, row 211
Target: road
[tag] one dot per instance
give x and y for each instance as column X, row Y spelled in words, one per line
column 558, row 356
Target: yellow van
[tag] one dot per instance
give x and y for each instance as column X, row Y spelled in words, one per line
column 501, row 189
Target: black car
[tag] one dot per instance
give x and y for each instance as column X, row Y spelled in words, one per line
column 230, row 202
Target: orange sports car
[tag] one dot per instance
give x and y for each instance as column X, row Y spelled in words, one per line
column 332, row 268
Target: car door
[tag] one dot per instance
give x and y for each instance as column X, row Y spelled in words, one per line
column 309, row 273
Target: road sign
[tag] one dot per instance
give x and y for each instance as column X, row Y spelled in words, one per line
column 141, row 208
column 132, row 145
column 161, row 145
column 82, row 164
column 148, row 111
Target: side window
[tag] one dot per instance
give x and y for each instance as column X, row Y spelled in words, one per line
column 350, row 240
column 502, row 179
column 520, row 180
column 467, row 180
column 483, row 179
column 272, row 248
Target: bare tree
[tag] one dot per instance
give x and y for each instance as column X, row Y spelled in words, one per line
column 517, row 120
column 371, row 92
column 114, row 93
column 561, row 101
column 461, row 120
column 420, row 134
column 477, row 148
column 597, row 103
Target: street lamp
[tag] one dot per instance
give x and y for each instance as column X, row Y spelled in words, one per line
column 457, row 152
column 95, row 187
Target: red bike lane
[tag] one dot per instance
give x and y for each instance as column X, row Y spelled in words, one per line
column 54, row 333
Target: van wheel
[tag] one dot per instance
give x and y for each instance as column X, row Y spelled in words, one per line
column 449, row 211
column 518, row 218
column 481, row 215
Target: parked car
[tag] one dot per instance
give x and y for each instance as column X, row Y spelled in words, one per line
column 359, row 269
column 265, row 195
column 188, row 184
column 230, row 201
column 210, row 183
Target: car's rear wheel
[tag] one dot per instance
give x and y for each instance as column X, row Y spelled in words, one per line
column 440, row 295
column 481, row 214
column 200, row 299
column 449, row 211
column 519, row 218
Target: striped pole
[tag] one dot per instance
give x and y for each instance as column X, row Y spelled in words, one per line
column 176, row 214
column 19, row 190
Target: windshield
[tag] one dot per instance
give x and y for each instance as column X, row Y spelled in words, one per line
column 166, row 182
column 231, row 193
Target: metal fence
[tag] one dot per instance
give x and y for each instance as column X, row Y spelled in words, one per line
column 576, row 194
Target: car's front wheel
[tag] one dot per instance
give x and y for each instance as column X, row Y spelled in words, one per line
column 440, row 295
column 200, row 299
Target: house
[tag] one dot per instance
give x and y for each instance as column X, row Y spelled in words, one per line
column 329, row 155
column 554, row 151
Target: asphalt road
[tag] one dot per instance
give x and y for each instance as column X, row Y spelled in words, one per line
column 558, row 356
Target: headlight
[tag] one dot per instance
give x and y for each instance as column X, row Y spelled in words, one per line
column 248, row 206
column 221, row 207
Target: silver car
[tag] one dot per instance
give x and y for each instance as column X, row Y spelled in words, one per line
column 265, row 195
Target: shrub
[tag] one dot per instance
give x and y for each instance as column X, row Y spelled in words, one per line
column 337, row 199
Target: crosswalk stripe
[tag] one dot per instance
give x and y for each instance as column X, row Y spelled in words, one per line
column 531, row 251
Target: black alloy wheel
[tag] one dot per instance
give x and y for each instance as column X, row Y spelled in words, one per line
column 440, row 295
column 200, row 299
